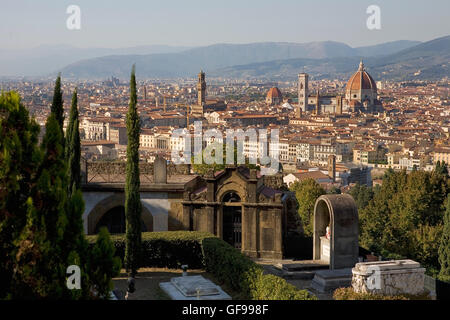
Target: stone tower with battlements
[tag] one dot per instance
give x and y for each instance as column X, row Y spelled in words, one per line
column 201, row 88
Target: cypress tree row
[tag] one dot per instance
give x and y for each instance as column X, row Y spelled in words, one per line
column 41, row 226
column 98, row 265
column 75, row 245
column 132, row 196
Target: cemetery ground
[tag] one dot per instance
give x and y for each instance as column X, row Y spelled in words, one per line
column 148, row 280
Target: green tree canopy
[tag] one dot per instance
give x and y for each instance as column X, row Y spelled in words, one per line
column 307, row 192
column 200, row 167
column 19, row 157
column 405, row 216
column 444, row 247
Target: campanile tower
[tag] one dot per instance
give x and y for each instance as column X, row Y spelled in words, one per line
column 302, row 93
column 201, row 88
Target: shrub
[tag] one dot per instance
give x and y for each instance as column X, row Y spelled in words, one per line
column 104, row 265
column 169, row 249
column 349, row 294
column 230, row 266
column 270, row 287
column 243, row 275
column 172, row 249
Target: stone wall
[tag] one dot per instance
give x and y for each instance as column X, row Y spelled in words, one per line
column 119, row 168
column 388, row 277
column 275, row 182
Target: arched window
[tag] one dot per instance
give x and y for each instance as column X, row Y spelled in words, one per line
column 231, row 197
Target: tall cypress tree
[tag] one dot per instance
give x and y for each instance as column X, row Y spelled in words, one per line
column 73, row 148
column 75, row 244
column 57, row 107
column 444, row 248
column 132, row 196
column 49, row 220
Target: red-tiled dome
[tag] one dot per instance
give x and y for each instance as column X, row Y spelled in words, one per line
column 274, row 93
column 361, row 80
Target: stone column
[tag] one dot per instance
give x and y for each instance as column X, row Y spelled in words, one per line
column 160, row 170
column 250, row 223
column 220, row 222
column 186, row 215
column 208, row 212
column 250, row 231
column 278, row 239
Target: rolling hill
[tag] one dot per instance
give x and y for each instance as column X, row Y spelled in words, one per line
column 216, row 57
column 429, row 60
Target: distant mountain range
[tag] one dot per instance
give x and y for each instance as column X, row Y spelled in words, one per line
column 429, row 60
column 272, row 60
column 48, row 58
column 214, row 57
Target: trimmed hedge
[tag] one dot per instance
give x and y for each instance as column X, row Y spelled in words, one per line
column 200, row 250
column 169, row 249
column 349, row 294
column 239, row 272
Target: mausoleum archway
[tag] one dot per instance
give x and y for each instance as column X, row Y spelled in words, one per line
column 232, row 219
column 339, row 212
column 112, row 205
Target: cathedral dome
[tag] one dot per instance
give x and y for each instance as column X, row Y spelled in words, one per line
column 361, row 80
column 361, row 88
column 274, row 93
column 274, row 96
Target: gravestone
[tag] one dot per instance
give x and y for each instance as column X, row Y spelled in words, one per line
column 160, row 170
column 193, row 288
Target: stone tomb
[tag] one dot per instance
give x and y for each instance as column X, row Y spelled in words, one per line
column 335, row 241
column 389, row 277
column 193, row 288
column 329, row 280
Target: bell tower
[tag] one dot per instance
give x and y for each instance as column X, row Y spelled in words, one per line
column 201, row 89
column 302, row 93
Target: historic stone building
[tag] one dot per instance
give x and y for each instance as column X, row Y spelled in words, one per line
column 274, row 96
column 205, row 105
column 237, row 204
column 360, row 96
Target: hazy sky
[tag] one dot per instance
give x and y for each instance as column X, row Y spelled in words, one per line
column 124, row 23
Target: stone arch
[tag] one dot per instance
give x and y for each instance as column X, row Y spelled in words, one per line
column 231, row 187
column 340, row 211
column 231, row 210
column 115, row 200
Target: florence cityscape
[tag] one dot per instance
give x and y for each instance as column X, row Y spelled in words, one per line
column 212, row 151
